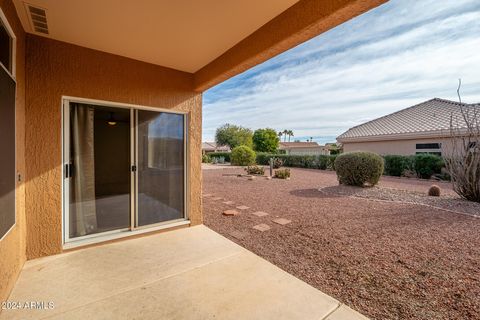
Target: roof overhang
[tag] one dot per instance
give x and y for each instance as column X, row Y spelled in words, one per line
column 212, row 39
column 446, row 133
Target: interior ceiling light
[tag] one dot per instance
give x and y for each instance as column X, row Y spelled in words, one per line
column 111, row 120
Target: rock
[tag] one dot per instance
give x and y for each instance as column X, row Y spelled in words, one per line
column 230, row 212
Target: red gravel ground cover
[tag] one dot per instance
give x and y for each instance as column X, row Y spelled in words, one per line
column 387, row 260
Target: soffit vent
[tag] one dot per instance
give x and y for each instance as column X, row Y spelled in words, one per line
column 38, row 18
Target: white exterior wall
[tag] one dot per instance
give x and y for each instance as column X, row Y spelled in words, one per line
column 307, row 151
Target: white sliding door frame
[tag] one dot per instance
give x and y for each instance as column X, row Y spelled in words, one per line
column 133, row 227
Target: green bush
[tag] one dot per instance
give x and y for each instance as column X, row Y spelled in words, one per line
column 325, row 162
column 218, row 160
column 331, row 161
column 282, row 174
column 426, row 165
column 359, row 168
column 258, row 170
column 242, row 156
column 225, row 155
column 322, row 162
column 265, row 140
column 277, row 163
column 396, row 165
column 206, row 158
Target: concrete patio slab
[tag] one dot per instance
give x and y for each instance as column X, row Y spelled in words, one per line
column 261, row 227
column 191, row 273
column 281, row 221
column 346, row 313
column 260, row 214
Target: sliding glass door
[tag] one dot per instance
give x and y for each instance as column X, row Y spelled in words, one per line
column 123, row 169
column 161, row 173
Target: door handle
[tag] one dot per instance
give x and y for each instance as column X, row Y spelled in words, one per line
column 68, row 170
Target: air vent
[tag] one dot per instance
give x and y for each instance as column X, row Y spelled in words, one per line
column 38, row 18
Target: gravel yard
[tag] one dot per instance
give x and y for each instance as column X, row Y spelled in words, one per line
column 386, row 259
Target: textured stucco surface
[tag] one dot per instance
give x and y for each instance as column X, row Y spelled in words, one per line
column 301, row 22
column 56, row 68
column 398, row 147
column 12, row 246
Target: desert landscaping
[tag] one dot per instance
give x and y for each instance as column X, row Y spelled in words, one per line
column 389, row 251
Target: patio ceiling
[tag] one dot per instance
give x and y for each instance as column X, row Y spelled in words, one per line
column 183, row 34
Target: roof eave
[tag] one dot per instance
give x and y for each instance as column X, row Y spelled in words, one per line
column 444, row 133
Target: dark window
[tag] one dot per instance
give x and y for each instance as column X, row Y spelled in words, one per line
column 7, row 146
column 5, row 48
column 429, row 145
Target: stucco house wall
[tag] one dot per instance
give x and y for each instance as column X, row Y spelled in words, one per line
column 12, row 246
column 396, row 147
column 307, row 151
column 57, row 69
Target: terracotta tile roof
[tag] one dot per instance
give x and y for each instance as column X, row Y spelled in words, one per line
column 212, row 146
column 429, row 116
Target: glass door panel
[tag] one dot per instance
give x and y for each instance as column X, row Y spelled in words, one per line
column 98, row 170
column 161, row 165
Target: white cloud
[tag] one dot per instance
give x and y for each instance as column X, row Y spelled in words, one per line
column 400, row 54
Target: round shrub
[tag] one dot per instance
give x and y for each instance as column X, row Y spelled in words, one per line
column 396, row 165
column 359, row 168
column 434, row 191
column 427, row 164
column 242, row 156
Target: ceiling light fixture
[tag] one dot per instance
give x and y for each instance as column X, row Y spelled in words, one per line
column 111, row 121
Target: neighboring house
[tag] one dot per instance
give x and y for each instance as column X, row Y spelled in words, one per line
column 303, row 148
column 209, row 147
column 101, row 111
column 422, row 128
column 333, row 148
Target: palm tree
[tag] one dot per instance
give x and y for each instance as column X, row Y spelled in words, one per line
column 290, row 134
column 285, row 133
column 280, row 134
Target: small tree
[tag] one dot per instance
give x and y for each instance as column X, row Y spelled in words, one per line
column 233, row 136
column 242, row 156
column 265, row 140
column 462, row 159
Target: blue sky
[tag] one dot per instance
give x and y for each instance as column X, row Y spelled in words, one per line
column 397, row 55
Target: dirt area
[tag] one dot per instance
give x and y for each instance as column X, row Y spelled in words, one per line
column 388, row 260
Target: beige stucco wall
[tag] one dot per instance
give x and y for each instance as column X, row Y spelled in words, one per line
column 397, row 147
column 56, row 68
column 12, row 246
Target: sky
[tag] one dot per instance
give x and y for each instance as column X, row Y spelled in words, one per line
column 392, row 57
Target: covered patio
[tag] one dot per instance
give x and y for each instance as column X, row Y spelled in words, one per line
column 191, row 273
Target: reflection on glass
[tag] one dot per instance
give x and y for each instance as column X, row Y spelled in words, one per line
column 160, row 167
column 100, row 169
